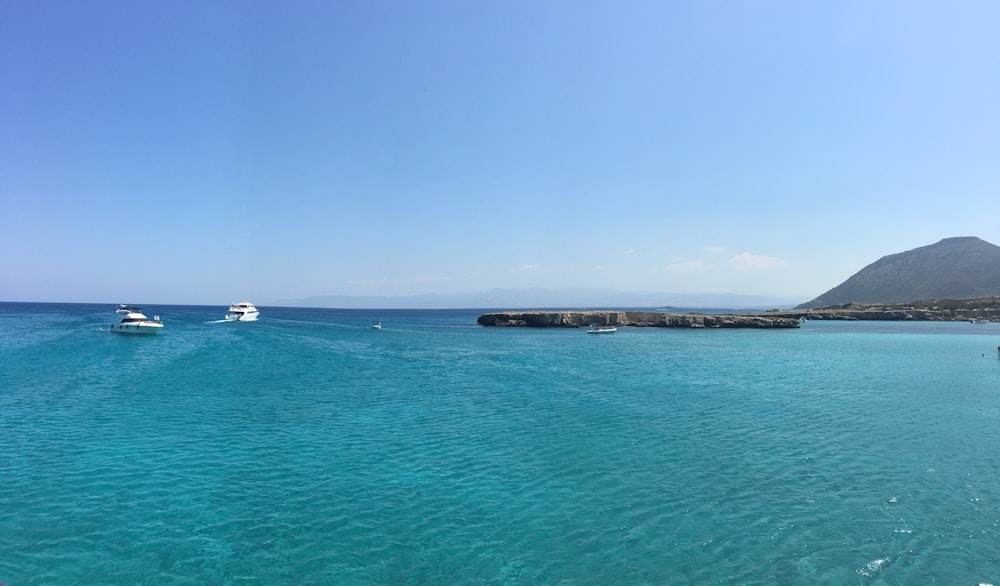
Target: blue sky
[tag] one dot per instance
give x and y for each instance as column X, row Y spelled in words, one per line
column 191, row 152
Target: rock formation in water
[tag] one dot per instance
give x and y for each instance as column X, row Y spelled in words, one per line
column 971, row 310
column 650, row 319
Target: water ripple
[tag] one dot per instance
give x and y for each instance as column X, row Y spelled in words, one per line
column 293, row 454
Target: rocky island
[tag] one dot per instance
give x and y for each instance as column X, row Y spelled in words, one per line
column 643, row 319
column 957, row 279
column 971, row 310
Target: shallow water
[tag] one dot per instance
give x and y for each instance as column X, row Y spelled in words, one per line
column 308, row 448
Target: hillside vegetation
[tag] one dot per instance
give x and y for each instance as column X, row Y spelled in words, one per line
column 965, row 268
column 972, row 310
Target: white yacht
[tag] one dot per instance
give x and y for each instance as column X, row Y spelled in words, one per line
column 133, row 321
column 242, row 311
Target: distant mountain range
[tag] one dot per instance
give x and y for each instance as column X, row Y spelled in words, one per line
column 954, row 268
column 543, row 298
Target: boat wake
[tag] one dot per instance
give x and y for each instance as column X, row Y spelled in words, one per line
column 219, row 321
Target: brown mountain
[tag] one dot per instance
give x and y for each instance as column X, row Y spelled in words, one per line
column 954, row 268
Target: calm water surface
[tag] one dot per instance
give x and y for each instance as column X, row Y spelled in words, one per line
column 309, row 448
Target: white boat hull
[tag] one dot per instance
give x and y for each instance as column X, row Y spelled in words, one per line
column 135, row 322
column 242, row 311
column 137, row 328
column 602, row 330
column 243, row 317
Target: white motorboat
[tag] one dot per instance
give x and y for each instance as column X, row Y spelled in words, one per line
column 602, row 329
column 133, row 321
column 376, row 325
column 242, row 311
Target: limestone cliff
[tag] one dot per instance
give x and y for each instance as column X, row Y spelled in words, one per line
column 651, row 319
column 983, row 309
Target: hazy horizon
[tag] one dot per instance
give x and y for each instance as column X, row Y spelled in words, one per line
column 493, row 299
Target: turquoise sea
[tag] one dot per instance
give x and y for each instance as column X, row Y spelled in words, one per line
column 308, row 448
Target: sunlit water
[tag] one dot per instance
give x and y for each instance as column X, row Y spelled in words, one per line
column 309, row 448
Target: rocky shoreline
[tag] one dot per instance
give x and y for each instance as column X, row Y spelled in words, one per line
column 970, row 310
column 642, row 319
column 896, row 313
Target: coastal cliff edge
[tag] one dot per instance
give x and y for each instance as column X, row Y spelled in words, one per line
column 648, row 319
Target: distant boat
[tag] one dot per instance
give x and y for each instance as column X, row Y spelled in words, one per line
column 135, row 322
column 980, row 321
column 242, row 311
column 376, row 325
column 602, row 329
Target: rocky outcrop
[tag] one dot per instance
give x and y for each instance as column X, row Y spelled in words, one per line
column 982, row 309
column 648, row 319
column 894, row 313
column 552, row 319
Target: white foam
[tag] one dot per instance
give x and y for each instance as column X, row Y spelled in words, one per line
column 873, row 567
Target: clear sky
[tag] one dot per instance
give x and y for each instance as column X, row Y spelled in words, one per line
column 205, row 152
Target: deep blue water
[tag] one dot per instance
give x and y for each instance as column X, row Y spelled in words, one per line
column 307, row 448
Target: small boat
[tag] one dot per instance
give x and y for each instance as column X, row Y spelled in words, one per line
column 242, row 311
column 135, row 322
column 602, row 329
column 376, row 325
